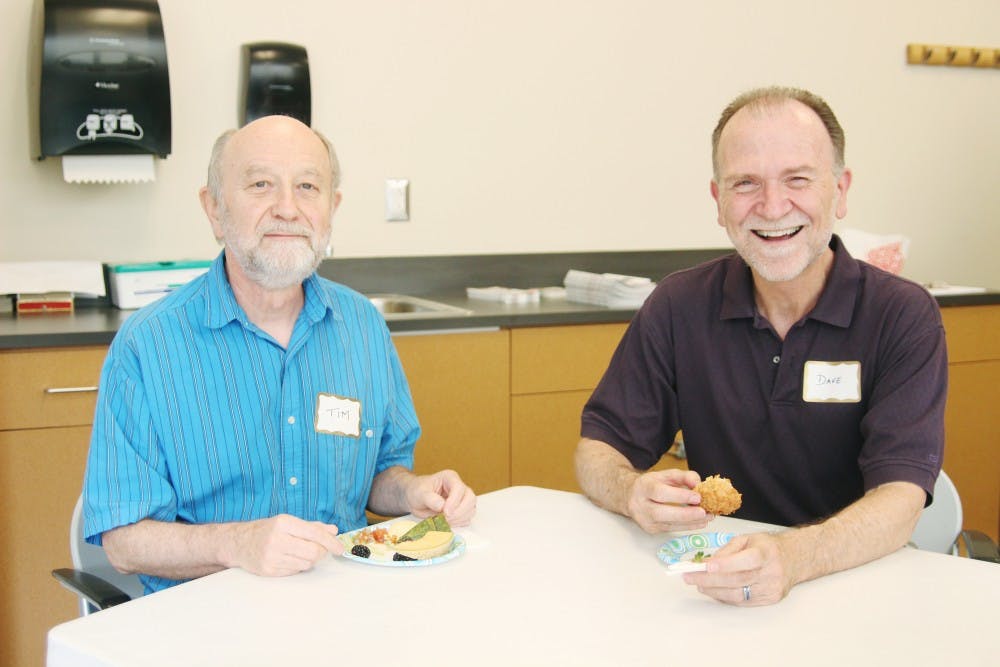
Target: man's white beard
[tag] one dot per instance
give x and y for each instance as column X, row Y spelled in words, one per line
column 284, row 265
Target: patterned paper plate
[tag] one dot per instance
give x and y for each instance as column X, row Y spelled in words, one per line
column 687, row 553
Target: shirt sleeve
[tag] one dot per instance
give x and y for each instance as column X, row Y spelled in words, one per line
column 402, row 428
column 903, row 428
column 634, row 407
column 126, row 478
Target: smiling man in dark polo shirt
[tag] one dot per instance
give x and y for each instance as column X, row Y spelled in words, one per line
column 815, row 382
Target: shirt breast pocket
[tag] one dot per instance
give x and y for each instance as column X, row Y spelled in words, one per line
column 352, row 455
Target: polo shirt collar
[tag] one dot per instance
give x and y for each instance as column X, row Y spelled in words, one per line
column 835, row 305
column 222, row 307
column 842, row 289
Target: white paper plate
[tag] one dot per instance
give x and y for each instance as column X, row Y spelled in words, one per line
column 457, row 549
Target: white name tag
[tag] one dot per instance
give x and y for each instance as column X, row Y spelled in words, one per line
column 832, row 382
column 337, row 415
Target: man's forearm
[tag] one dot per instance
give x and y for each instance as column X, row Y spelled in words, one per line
column 604, row 474
column 172, row 550
column 388, row 496
column 873, row 526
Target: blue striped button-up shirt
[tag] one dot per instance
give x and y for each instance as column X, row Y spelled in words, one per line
column 202, row 417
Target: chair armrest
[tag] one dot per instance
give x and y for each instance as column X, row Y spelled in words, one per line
column 93, row 589
column 979, row 546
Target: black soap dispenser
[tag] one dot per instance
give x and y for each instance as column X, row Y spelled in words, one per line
column 274, row 81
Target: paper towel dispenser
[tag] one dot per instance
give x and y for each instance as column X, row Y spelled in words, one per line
column 102, row 81
column 274, row 80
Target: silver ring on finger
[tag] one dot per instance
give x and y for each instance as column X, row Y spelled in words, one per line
column 746, row 593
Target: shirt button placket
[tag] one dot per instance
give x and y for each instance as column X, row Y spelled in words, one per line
column 293, row 481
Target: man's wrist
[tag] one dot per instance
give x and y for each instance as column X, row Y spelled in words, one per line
column 801, row 553
column 629, row 479
column 229, row 541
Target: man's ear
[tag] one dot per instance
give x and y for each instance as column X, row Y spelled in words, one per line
column 843, row 184
column 713, row 187
column 211, row 208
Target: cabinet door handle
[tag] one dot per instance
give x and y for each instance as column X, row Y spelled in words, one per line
column 69, row 390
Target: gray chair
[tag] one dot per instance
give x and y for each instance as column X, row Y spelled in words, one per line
column 92, row 578
column 940, row 526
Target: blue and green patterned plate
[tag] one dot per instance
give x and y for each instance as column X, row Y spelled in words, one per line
column 687, row 553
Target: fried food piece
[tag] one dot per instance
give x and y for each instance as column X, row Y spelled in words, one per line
column 718, row 495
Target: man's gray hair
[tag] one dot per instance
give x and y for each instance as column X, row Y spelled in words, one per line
column 762, row 98
column 219, row 148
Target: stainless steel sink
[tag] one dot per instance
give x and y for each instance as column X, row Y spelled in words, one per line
column 405, row 307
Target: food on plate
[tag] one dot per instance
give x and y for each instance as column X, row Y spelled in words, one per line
column 402, row 540
column 435, row 523
column 718, row 495
column 432, row 543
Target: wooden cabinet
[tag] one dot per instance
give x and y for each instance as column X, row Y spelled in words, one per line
column 501, row 407
column 553, row 372
column 461, row 389
column 43, row 448
column 972, row 417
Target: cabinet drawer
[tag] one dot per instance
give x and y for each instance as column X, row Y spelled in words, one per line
column 49, row 387
column 564, row 358
column 460, row 386
column 972, row 332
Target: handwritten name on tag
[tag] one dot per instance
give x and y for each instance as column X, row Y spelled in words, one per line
column 832, row 382
column 337, row 415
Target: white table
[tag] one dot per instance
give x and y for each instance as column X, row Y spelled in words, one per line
column 549, row 579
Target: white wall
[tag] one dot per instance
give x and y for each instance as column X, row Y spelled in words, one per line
column 545, row 125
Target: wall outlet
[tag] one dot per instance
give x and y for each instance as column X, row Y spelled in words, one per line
column 397, row 199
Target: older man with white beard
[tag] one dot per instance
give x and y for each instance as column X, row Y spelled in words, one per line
column 246, row 418
column 815, row 382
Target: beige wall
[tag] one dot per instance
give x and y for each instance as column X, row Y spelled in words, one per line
column 545, row 125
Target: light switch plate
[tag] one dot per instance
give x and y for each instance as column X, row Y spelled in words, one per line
column 397, row 199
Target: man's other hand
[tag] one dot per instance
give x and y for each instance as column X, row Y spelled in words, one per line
column 445, row 493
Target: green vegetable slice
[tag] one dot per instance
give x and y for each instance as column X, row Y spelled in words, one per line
column 437, row 522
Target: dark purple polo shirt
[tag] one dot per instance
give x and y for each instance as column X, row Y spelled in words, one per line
column 698, row 356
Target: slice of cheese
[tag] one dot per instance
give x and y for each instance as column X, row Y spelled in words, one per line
column 400, row 527
column 433, row 543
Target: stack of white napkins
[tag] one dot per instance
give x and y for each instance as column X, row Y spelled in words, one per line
column 607, row 289
column 504, row 294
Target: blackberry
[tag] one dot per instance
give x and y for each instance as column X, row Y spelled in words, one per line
column 399, row 556
column 361, row 551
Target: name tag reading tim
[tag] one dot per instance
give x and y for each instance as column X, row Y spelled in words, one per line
column 338, row 416
column 832, row 382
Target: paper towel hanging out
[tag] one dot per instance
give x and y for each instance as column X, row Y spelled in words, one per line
column 102, row 87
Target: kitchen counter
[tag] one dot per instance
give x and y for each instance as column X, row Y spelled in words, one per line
column 441, row 279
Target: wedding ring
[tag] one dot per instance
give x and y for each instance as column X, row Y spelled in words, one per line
column 746, row 593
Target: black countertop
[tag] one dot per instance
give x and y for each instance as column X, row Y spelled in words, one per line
column 441, row 279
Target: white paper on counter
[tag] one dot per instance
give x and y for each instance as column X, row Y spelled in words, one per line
column 108, row 168
column 954, row 290
column 39, row 277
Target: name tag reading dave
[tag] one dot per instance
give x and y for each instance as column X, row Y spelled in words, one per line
column 832, row 382
column 337, row 415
